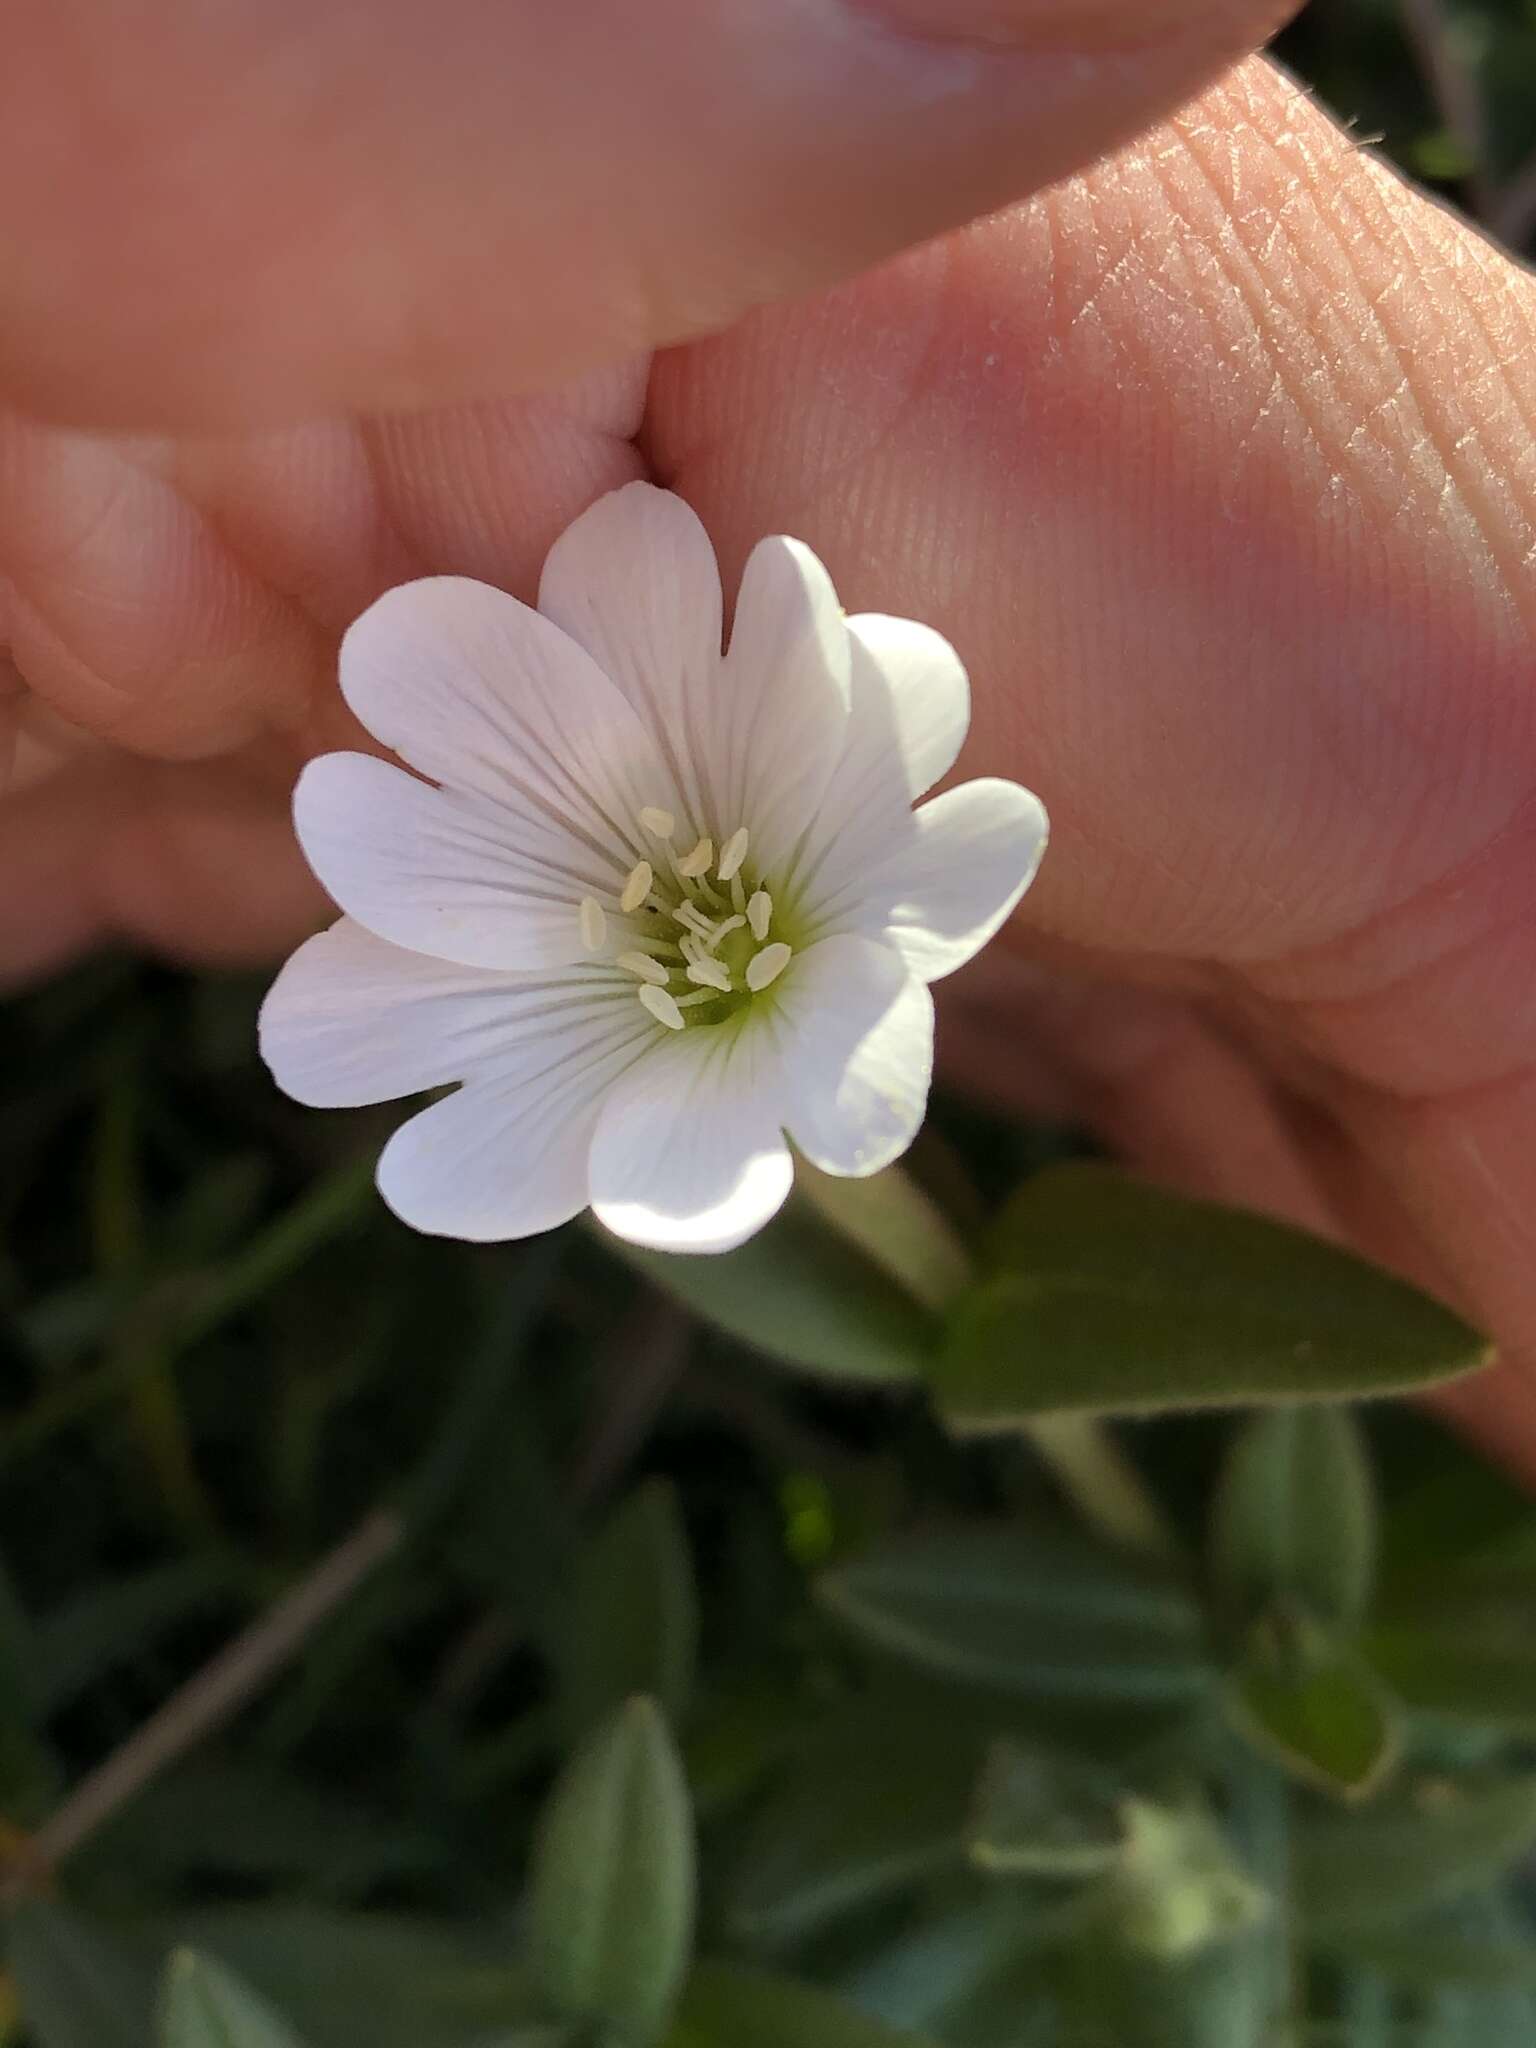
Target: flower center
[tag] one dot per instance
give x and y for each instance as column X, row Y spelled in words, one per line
column 694, row 928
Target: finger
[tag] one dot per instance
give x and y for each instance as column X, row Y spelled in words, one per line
column 267, row 210
column 1216, row 464
column 179, row 599
column 196, row 863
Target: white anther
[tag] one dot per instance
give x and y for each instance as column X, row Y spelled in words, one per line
column 708, row 973
column 694, row 864
column 661, row 1006
column 760, row 914
column 594, row 924
column 732, row 854
column 767, row 966
column 660, row 824
column 637, row 888
column 644, row 966
column 731, row 924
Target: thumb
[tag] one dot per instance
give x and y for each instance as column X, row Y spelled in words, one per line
column 218, row 216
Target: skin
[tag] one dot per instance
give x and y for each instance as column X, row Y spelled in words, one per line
column 1215, row 460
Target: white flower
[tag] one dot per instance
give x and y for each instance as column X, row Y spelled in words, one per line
column 656, row 906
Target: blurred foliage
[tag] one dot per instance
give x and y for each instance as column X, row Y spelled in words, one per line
column 668, row 1694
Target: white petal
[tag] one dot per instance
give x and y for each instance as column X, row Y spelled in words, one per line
column 488, row 697
column 858, row 1054
column 909, row 709
column 352, row 1019
column 456, row 876
column 927, row 708
column 782, row 711
column 688, row 1155
column 939, row 892
column 634, row 581
column 507, row 1155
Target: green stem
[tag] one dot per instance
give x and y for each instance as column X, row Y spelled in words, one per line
column 897, row 1225
column 1105, row 1487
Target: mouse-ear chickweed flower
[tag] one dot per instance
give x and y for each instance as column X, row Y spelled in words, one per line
column 653, row 906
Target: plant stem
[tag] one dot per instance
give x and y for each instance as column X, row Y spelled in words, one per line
column 896, row 1224
column 1102, row 1483
column 255, row 1656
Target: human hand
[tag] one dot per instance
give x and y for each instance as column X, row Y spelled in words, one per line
column 1215, row 463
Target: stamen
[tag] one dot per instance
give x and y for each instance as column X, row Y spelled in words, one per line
column 694, row 864
column 637, row 888
column 644, row 966
column 760, row 914
column 730, row 925
column 692, row 948
column 732, row 854
column 738, row 894
column 661, row 1006
column 708, row 973
column 594, row 924
column 704, row 995
column 694, row 920
column 660, row 824
column 768, row 965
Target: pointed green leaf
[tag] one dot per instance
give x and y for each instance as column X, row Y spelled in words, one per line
column 1462, row 1646
column 1482, row 1939
column 1108, row 1296
column 630, row 1624
column 384, row 1979
column 1032, row 1611
column 801, row 1292
column 613, row 1879
column 832, row 1834
column 77, row 1984
column 727, row 2007
column 1043, row 1814
column 203, row 2005
column 1432, row 1844
column 1294, row 1522
column 1315, row 1707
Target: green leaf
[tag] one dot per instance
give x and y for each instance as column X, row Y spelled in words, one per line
column 203, row 2005
column 1315, row 1707
column 897, row 1224
column 1039, row 1813
column 832, row 1835
column 1119, row 1997
column 1462, row 1647
column 1482, row 1939
column 77, row 1984
column 630, row 1624
column 801, row 1292
column 1179, row 1888
column 1031, row 1611
column 380, row 1978
column 1424, row 1848
column 1294, row 1521
column 1107, row 1296
column 613, row 1879
column 736, row 2008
